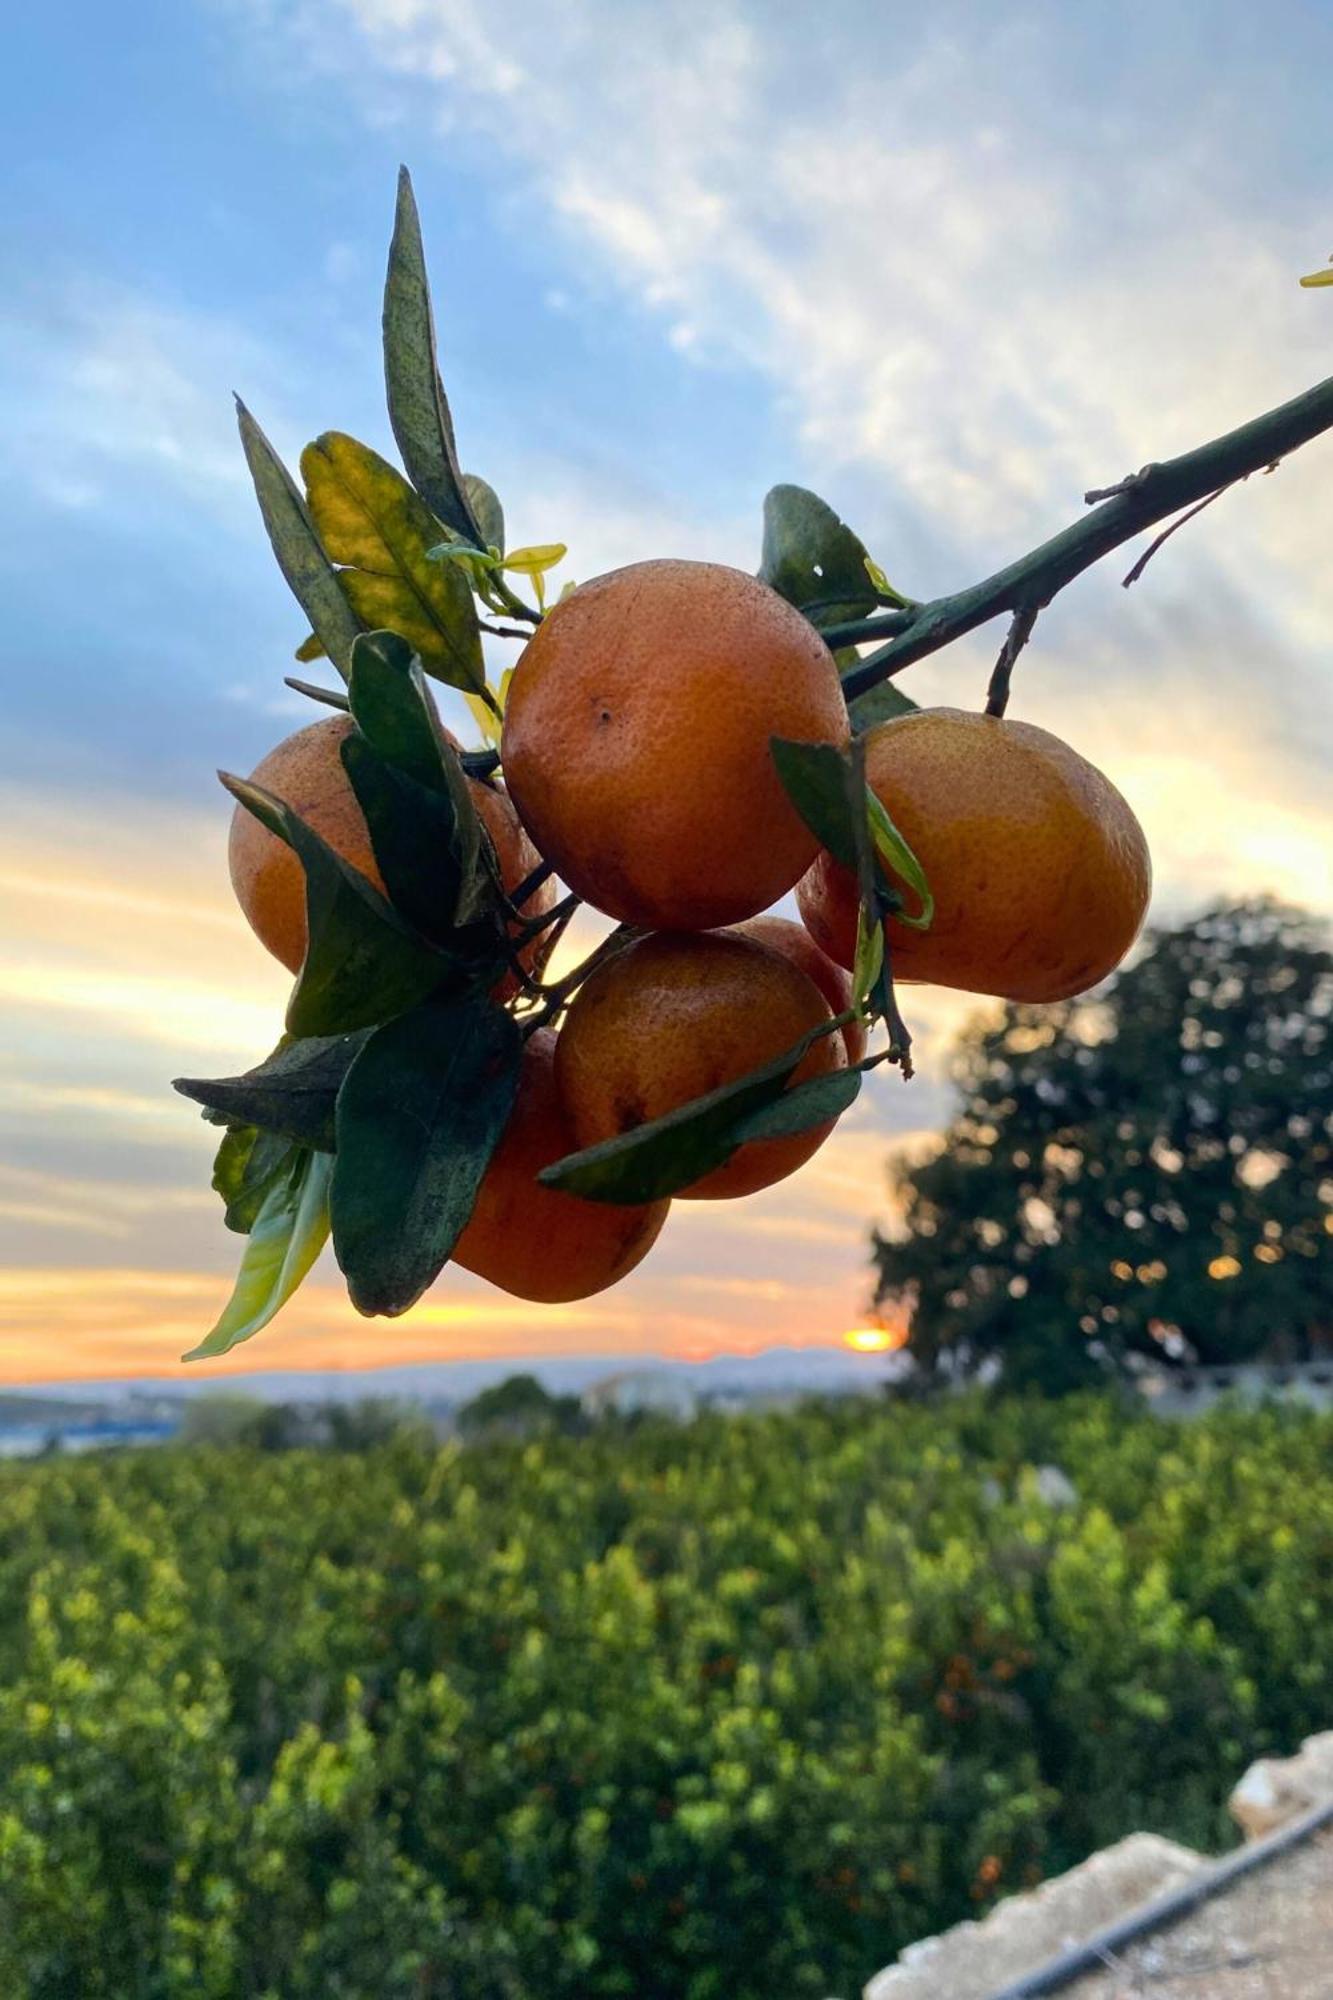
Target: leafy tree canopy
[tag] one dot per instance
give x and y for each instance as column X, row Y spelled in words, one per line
column 1142, row 1173
column 519, row 1403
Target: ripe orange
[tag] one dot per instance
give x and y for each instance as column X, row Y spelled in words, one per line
column 1039, row 869
column 306, row 772
column 794, row 942
column 535, row 1241
column 676, row 1015
column 636, row 741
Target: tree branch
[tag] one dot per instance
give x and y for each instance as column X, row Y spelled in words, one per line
column 1139, row 502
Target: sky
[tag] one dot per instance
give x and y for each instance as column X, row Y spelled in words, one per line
column 948, row 266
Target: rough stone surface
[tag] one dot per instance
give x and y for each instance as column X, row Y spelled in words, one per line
column 1276, row 1789
column 1268, row 1937
column 1021, row 1933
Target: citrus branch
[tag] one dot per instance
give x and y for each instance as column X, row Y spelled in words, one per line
column 1136, row 503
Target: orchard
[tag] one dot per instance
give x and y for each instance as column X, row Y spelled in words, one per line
column 679, row 746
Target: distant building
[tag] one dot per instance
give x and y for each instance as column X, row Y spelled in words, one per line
column 1188, row 1392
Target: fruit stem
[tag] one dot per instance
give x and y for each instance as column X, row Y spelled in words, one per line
column 559, row 913
column 1140, row 502
column 557, row 994
column 531, row 884
column 1020, row 631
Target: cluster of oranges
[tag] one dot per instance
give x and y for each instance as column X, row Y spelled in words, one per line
column 637, row 762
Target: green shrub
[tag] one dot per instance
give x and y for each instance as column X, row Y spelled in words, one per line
column 702, row 1712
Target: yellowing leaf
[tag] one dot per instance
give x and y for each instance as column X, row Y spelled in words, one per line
column 883, row 586
column 369, row 519
column 535, row 562
column 1319, row 278
column 487, row 721
column 541, row 556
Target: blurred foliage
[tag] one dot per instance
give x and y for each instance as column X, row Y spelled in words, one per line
column 1146, row 1172
column 520, row 1405
column 730, row 1709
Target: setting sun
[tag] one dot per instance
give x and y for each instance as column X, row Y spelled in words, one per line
column 873, row 1338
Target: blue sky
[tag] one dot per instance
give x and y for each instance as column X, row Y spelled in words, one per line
column 948, row 268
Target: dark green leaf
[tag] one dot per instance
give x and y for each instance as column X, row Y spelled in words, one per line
column 418, row 409
column 419, row 1116
column 301, row 558
column 247, row 1163
column 369, row 518
column 813, row 1102
column 288, row 1233
column 819, row 781
column 485, row 504
column 415, row 837
column 394, row 710
column 879, row 704
column 395, row 713
column 362, row 964
column 813, row 560
column 292, row 1092
column 670, row 1153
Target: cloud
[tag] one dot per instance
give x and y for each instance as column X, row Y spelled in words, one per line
column 116, row 383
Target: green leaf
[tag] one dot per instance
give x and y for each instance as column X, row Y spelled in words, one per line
column 419, row 1116
column 813, row 1102
column 418, row 408
column 247, row 1163
column 310, row 649
column 818, row 779
column 415, row 836
column 670, row 1153
column 395, row 713
column 898, row 857
column 370, row 519
column 362, row 964
column 292, row 1092
column 313, row 580
column 812, row 559
column 869, row 960
column 287, row 1235
column 878, row 704
column 486, row 509
column 330, row 697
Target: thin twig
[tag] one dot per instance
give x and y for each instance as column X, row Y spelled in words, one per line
column 1167, row 533
column 504, row 631
column 559, row 913
column 1020, row 631
column 531, row 884
column 1129, row 485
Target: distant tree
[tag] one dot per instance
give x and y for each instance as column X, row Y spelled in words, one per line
column 1146, row 1172
column 519, row 1404
column 225, row 1417
column 374, row 1421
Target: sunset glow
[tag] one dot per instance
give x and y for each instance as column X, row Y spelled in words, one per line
column 876, row 1338
column 649, row 316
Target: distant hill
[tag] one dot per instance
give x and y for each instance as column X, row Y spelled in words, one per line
column 804, row 1370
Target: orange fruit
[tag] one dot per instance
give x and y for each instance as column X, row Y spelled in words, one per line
column 676, row 1015
column 794, row 942
column 535, row 1241
column 1039, row 869
column 636, row 741
column 306, row 772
